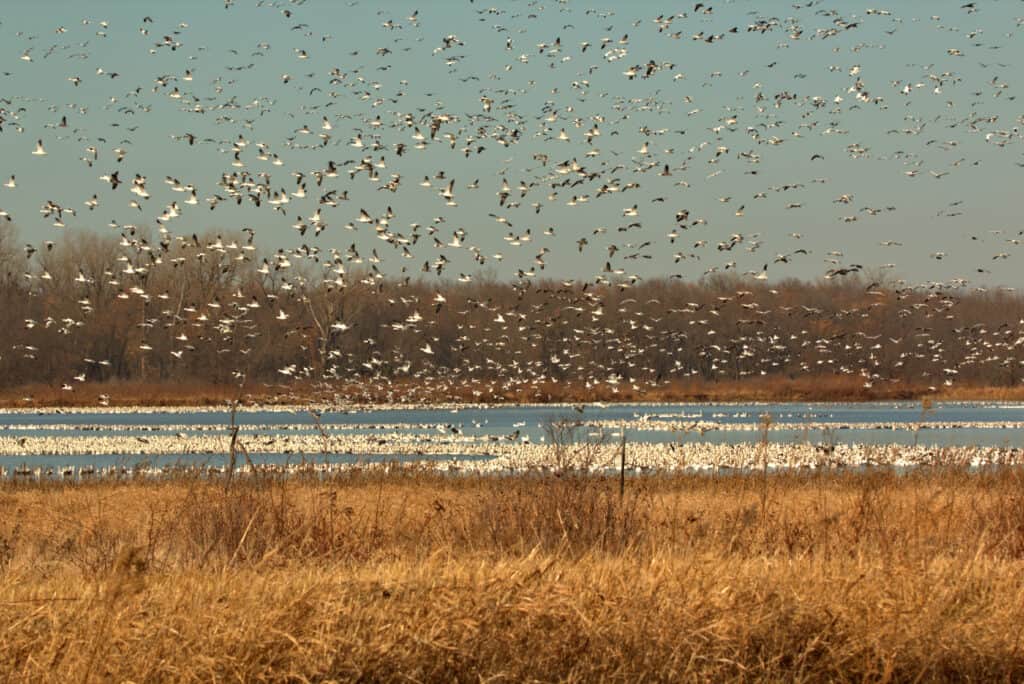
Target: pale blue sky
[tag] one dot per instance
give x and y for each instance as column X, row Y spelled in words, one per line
column 968, row 133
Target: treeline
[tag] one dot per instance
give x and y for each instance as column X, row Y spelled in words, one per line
column 96, row 308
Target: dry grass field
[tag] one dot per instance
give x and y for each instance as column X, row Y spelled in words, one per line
column 419, row 577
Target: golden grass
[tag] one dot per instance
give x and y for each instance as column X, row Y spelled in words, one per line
column 767, row 389
column 839, row 576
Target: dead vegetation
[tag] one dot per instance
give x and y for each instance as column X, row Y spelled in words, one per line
column 79, row 334
column 198, row 393
column 834, row 575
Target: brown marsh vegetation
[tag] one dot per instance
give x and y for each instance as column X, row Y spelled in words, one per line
column 834, row 575
column 186, row 393
column 200, row 393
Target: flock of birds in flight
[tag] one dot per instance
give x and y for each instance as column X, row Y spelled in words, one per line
column 526, row 152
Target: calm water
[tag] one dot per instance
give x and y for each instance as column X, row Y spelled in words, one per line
column 948, row 424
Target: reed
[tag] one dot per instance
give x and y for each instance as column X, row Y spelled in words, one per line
column 807, row 576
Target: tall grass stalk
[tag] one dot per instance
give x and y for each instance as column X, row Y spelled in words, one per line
column 815, row 575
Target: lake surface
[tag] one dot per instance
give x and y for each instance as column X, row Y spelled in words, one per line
column 159, row 438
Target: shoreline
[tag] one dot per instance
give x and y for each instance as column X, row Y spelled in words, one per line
column 354, row 408
column 143, row 396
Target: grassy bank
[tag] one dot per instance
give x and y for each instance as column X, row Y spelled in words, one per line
column 827, row 576
column 823, row 388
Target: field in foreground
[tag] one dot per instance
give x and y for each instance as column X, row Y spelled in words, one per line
column 835, row 575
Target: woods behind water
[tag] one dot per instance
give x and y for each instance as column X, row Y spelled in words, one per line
column 829, row 575
column 75, row 326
